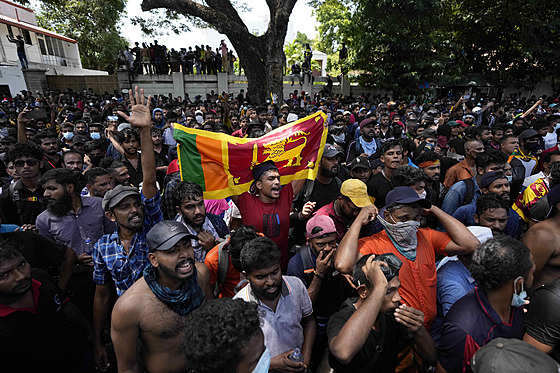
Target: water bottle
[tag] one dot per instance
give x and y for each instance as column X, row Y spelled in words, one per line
column 296, row 356
column 88, row 246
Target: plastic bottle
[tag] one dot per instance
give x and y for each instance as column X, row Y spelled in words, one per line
column 88, row 246
column 296, row 356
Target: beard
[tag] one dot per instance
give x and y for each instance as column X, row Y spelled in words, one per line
column 172, row 272
column 135, row 226
column 332, row 172
column 262, row 293
column 61, row 206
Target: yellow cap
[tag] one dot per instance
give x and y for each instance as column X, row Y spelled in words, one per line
column 356, row 190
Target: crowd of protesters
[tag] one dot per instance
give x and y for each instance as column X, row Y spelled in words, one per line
column 156, row 59
column 429, row 239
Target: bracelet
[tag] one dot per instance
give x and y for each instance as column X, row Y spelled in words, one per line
column 318, row 275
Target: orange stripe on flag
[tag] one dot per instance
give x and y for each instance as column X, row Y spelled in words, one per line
column 210, row 150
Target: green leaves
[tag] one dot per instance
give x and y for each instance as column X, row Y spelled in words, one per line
column 400, row 43
column 93, row 23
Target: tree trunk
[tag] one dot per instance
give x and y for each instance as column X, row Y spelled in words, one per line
column 262, row 57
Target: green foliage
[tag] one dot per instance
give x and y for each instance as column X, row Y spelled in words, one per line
column 93, row 23
column 397, row 44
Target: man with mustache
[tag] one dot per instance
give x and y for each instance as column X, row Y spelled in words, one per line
column 77, row 222
column 284, row 306
column 154, row 309
column 191, row 211
column 119, row 258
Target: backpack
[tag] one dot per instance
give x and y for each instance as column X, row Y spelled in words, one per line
column 469, row 195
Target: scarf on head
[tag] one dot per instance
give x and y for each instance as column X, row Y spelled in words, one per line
column 182, row 301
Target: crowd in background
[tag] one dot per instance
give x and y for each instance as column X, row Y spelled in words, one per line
column 428, row 240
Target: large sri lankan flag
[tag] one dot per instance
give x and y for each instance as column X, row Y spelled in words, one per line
column 222, row 164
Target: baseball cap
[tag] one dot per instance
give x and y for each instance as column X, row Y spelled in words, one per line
column 360, row 161
column 113, row 197
column 122, row 126
column 331, row 151
column 79, row 139
column 488, row 178
column 428, row 134
column 405, row 195
column 528, row 134
column 319, row 225
column 376, row 163
column 347, row 113
column 165, row 234
column 261, row 168
column 366, row 122
column 503, row 355
column 356, row 190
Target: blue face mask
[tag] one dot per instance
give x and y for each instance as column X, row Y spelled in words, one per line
column 518, row 300
column 264, row 363
column 68, row 135
column 509, row 178
column 95, row 135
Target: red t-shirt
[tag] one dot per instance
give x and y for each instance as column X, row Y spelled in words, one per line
column 271, row 219
column 418, row 278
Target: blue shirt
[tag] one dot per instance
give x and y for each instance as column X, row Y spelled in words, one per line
column 454, row 281
column 111, row 261
column 465, row 214
column 456, row 195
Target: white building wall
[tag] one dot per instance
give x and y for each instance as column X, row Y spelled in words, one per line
column 12, row 76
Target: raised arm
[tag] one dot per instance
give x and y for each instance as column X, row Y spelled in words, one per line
column 142, row 119
column 347, row 253
column 462, row 240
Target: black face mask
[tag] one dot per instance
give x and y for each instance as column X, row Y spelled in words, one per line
column 397, row 132
column 533, row 146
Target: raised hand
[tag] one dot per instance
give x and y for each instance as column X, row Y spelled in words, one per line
column 141, row 116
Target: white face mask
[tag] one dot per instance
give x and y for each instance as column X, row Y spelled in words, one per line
column 423, row 194
column 264, row 363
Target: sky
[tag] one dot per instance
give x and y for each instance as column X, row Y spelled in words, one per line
column 301, row 19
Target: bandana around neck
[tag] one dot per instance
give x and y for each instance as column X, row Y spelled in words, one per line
column 182, row 301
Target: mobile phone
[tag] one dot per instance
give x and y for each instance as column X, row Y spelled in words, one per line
column 36, row 114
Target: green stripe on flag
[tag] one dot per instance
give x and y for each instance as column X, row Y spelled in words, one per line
column 190, row 160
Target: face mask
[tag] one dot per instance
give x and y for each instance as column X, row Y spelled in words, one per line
column 422, row 195
column 509, row 178
column 518, row 300
column 68, row 135
column 264, row 363
column 95, row 135
column 339, row 138
column 403, row 236
column 532, row 146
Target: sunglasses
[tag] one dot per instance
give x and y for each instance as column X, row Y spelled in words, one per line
column 29, row 162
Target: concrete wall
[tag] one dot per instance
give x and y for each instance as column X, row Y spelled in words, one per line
column 13, row 77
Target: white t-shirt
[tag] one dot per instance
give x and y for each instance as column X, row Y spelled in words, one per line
column 550, row 140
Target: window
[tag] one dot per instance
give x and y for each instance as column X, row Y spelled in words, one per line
column 42, row 46
column 26, row 36
column 49, row 46
column 10, row 31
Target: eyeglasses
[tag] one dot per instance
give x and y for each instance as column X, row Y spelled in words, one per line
column 29, row 162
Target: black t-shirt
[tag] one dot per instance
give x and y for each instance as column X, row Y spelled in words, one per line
column 378, row 187
column 29, row 203
column 543, row 319
column 323, row 194
column 385, row 341
column 33, row 342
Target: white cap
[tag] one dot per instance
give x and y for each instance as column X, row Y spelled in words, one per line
column 482, row 234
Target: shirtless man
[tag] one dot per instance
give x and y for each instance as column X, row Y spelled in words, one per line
column 154, row 309
column 543, row 239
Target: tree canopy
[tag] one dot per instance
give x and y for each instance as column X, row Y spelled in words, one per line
column 94, row 24
column 399, row 44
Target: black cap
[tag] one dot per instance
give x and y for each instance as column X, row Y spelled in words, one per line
column 165, row 234
column 79, row 139
column 405, row 195
column 261, row 168
column 361, row 162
